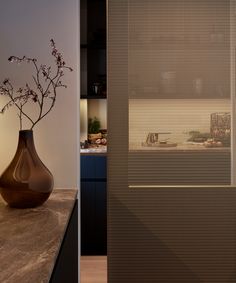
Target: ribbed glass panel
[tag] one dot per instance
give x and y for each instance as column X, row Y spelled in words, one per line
column 171, row 64
column 179, row 89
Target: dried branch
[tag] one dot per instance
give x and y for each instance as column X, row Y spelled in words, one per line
column 46, row 85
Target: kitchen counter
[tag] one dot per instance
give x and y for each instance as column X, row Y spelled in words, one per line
column 179, row 147
column 94, row 150
column 30, row 239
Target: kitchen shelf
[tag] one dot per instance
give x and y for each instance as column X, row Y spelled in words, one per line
column 93, row 47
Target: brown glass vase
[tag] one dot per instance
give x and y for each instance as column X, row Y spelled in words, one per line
column 26, row 182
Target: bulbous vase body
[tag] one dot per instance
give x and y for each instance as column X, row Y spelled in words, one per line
column 26, row 182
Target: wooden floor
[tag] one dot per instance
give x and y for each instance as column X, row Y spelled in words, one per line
column 93, row 269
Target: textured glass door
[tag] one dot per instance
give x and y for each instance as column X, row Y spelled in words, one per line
column 171, row 153
column 179, row 89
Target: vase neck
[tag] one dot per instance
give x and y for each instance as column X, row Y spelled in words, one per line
column 26, row 139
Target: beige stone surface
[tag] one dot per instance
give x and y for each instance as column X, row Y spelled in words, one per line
column 30, row 239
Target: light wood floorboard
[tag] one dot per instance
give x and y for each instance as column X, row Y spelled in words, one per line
column 93, row 269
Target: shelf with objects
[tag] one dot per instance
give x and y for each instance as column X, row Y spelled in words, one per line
column 93, row 76
column 93, row 49
column 184, row 56
column 179, row 74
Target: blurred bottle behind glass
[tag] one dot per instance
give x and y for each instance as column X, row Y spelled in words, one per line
column 168, row 82
column 198, row 86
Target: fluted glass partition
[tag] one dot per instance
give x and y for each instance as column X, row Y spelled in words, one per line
column 180, row 89
column 171, row 153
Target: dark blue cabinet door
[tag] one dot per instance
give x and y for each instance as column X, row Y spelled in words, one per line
column 100, row 167
column 87, row 167
column 93, row 167
column 93, row 218
column 88, row 205
column 101, row 218
column 93, row 205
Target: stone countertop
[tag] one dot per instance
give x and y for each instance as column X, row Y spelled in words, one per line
column 94, row 150
column 30, row 239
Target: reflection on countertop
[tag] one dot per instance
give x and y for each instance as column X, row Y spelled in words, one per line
column 179, row 147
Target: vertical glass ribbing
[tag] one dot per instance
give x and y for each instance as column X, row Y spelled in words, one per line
column 180, row 76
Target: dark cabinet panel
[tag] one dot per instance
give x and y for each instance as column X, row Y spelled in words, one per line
column 87, row 217
column 101, row 218
column 93, row 205
column 100, row 167
column 66, row 266
column 93, row 167
column 87, row 167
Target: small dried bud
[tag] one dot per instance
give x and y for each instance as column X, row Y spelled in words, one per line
column 11, row 59
column 54, row 52
column 35, row 98
column 6, row 81
column 52, row 42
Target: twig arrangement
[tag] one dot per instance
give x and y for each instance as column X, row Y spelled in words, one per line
column 46, row 85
